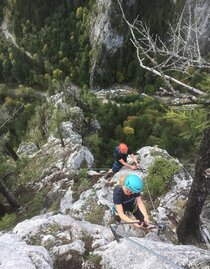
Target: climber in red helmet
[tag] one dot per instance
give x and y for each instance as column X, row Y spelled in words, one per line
column 121, row 153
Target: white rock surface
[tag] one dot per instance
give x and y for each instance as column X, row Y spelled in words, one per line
column 16, row 254
column 142, row 253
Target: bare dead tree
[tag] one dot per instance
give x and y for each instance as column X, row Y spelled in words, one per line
column 180, row 52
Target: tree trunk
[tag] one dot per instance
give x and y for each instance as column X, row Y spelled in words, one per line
column 3, row 210
column 9, row 151
column 188, row 230
column 8, row 195
column 61, row 136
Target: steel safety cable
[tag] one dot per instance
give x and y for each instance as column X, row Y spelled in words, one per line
column 174, row 265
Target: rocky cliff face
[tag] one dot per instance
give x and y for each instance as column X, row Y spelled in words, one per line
column 72, row 229
column 78, row 234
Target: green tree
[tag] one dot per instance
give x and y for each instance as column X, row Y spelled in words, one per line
column 94, row 141
column 57, row 74
column 6, row 68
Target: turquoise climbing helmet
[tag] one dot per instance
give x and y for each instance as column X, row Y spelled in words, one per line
column 133, row 183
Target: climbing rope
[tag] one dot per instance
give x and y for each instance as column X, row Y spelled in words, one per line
column 150, row 196
column 117, row 236
column 149, row 193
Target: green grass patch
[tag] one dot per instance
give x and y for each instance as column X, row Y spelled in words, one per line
column 95, row 212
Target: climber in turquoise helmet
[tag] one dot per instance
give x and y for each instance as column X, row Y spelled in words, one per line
column 127, row 198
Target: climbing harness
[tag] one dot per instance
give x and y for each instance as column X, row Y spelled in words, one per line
column 119, row 235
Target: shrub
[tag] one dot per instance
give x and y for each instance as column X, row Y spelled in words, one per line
column 81, row 184
column 35, row 206
column 7, row 221
column 149, row 89
column 159, row 177
column 128, row 130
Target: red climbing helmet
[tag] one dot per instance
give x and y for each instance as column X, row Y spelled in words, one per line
column 123, row 148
